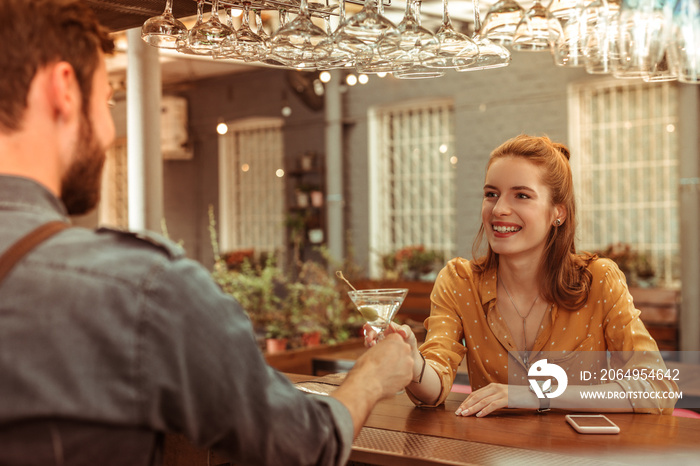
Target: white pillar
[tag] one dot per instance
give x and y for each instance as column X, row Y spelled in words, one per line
column 334, row 168
column 689, row 199
column 144, row 160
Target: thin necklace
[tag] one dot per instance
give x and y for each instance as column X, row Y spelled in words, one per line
column 520, row 315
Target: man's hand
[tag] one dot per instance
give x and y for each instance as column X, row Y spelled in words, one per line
column 381, row 372
column 389, row 361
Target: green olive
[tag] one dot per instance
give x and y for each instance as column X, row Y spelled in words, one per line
column 369, row 313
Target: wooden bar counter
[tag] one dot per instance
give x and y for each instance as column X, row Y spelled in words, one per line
column 398, row 433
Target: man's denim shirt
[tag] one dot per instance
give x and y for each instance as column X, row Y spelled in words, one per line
column 120, row 336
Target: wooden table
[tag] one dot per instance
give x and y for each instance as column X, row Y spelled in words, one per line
column 398, row 433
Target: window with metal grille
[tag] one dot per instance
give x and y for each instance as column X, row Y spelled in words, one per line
column 625, row 165
column 251, row 186
column 113, row 209
column 411, row 179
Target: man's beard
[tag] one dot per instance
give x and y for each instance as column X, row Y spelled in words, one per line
column 80, row 186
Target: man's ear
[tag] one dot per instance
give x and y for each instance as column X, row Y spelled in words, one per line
column 64, row 90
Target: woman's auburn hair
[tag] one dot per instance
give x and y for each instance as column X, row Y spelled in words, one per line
column 564, row 276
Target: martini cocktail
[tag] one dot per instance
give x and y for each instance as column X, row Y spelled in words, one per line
column 379, row 306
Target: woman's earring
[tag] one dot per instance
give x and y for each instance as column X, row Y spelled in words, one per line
column 557, row 222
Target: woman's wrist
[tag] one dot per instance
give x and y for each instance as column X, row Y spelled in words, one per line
column 419, row 378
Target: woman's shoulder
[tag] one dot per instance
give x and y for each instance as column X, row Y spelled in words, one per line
column 460, row 267
column 597, row 265
column 603, row 270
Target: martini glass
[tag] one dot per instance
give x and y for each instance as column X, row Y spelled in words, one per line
column 378, row 306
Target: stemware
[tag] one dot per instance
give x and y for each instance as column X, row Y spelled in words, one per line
column 455, row 49
column 568, row 48
column 491, row 54
column 376, row 27
column 416, row 44
column 164, row 30
column 265, row 41
column 298, row 41
column 369, row 25
column 227, row 49
column 601, row 19
column 378, row 306
column 562, row 9
column 182, row 43
column 537, row 31
column 206, row 38
column 501, row 20
column 685, row 43
column 346, row 50
column 249, row 45
column 661, row 70
column 641, row 37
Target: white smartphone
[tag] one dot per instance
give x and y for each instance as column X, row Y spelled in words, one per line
column 592, row 424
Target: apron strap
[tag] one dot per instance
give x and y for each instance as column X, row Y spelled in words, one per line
column 18, row 250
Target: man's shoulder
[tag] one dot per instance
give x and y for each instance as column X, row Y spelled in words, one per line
column 140, row 240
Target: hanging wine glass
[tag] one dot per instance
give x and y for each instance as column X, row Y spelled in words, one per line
column 347, row 51
column 568, row 48
column 661, row 70
column 369, row 25
column 227, row 49
column 685, row 43
column 537, row 31
column 641, row 40
column 456, row 49
column 265, row 38
column 247, row 45
column 163, row 31
column 491, row 54
column 415, row 45
column 206, row 38
column 182, row 44
column 601, row 19
column 501, row 20
column 299, row 40
column 381, row 29
column 562, row 9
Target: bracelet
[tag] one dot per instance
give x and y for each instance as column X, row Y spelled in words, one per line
column 420, row 377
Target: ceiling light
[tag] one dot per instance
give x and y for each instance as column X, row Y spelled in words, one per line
column 351, row 79
column 325, row 76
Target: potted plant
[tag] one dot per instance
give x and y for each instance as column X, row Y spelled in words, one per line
column 412, row 263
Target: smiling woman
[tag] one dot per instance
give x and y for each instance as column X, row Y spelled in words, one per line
column 557, row 301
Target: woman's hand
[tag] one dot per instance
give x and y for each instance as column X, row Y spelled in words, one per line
column 494, row 396
column 405, row 332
